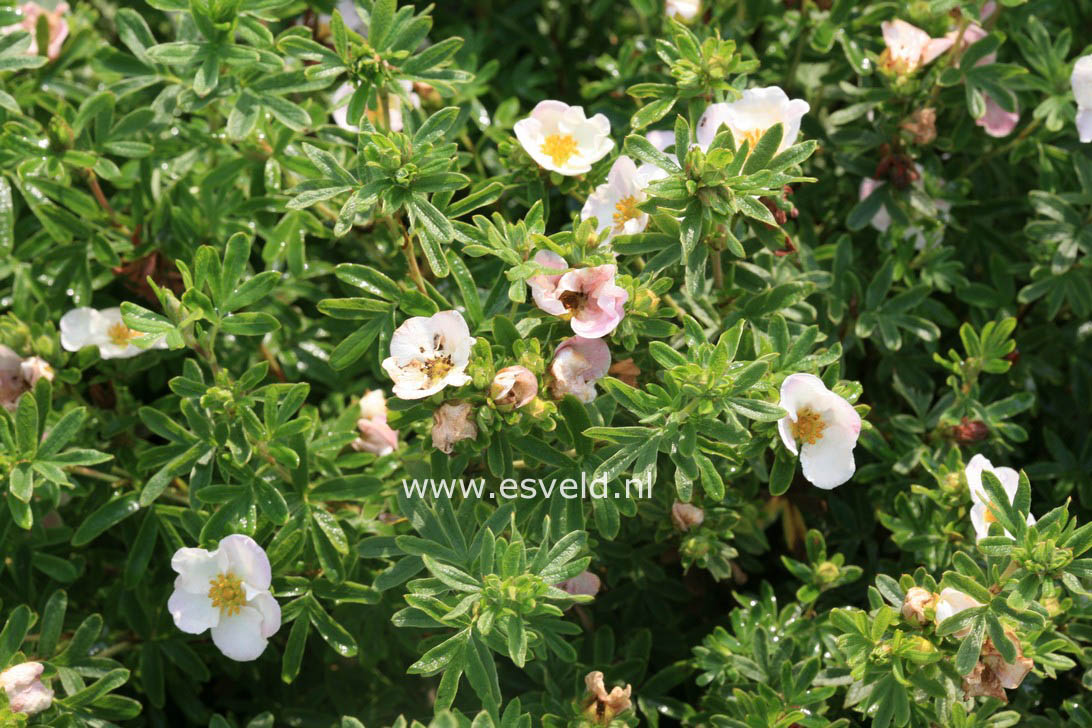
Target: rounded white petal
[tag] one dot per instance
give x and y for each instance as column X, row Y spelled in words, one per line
column 341, row 113
column 412, row 339
column 661, row 139
column 1084, row 125
column 800, row 390
column 270, row 611
column 829, row 462
column 709, row 123
column 1081, row 82
column 978, row 520
column 196, row 568
column 81, row 327
column 247, row 560
column 239, row 636
column 192, row 613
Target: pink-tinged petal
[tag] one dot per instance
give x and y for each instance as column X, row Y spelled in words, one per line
column 192, row 613
column 544, row 286
column 578, row 363
column 549, row 113
column 829, row 462
column 247, row 560
column 997, row 122
column 239, row 636
column 270, row 611
column 21, row 676
column 196, row 568
column 376, row 437
column 935, row 48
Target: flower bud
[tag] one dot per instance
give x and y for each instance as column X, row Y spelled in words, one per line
column 916, row 602
column 12, row 382
column 686, row 516
column 828, row 572
column 514, row 386
column 26, row 692
column 36, row 368
column 968, row 431
column 585, row 583
column 451, row 423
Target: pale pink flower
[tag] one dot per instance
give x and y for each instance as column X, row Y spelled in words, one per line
column 997, row 122
column 376, row 436
column 562, row 139
column 578, row 364
column 686, row 516
column 515, row 386
column 27, row 694
column 583, row 584
column 58, row 27
column 822, row 427
column 909, row 47
column 452, row 422
column 589, row 295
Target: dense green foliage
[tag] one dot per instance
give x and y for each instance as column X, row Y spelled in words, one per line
column 181, row 161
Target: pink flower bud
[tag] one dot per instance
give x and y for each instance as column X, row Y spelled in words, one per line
column 26, row 693
column 686, row 516
column 578, row 364
column 514, row 385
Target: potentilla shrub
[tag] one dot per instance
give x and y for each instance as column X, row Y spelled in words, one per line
column 571, row 363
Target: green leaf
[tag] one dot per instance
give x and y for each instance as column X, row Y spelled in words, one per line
column 105, row 517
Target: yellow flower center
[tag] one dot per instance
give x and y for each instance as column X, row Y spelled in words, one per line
column 808, row 427
column 436, row 369
column 227, row 593
column 627, row 210
column 120, row 334
column 989, row 517
column 751, row 136
column 559, row 147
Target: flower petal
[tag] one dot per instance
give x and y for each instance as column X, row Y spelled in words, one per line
column 829, row 462
column 81, row 327
column 196, row 568
column 247, row 560
column 192, row 613
column 270, row 611
column 239, row 636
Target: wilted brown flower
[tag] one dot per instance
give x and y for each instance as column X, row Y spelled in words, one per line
column 686, row 516
column 922, row 125
column 916, row 602
column 601, row 706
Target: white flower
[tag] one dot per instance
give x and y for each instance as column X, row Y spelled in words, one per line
column 84, row 326
column 452, row 422
column 429, row 353
column 822, row 427
column 951, row 602
column 227, row 591
column 561, row 139
column 1081, row 81
column 394, row 111
column 682, row 9
column 751, row 116
column 614, row 203
column 26, row 693
column 909, row 47
column 981, row 515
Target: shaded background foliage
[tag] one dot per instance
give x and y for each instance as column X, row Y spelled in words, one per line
column 131, row 199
